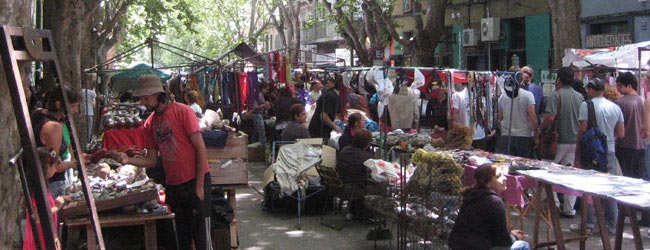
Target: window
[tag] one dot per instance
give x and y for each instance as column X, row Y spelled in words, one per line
column 609, row 28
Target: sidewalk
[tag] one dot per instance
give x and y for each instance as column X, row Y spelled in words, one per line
column 260, row 230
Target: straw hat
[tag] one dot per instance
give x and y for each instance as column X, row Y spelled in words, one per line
column 147, row 85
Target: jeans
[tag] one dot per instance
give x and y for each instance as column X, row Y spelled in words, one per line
column 90, row 125
column 519, row 146
column 57, row 188
column 259, row 130
column 611, row 210
column 518, row 245
column 565, row 155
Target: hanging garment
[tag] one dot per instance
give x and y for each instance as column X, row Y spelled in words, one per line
column 401, row 111
column 243, row 91
column 253, row 87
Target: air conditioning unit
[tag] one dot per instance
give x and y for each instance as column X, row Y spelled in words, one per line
column 490, row 29
column 470, row 38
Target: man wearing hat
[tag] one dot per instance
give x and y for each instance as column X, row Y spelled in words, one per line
column 172, row 132
column 610, row 121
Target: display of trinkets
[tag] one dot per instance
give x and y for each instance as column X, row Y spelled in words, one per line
column 122, row 116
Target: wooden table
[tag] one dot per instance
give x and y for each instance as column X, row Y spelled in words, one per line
column 630, row 194
column 147, row 220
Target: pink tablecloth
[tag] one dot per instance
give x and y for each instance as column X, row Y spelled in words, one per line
column 517, row 184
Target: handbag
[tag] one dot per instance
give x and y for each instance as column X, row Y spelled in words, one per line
column 549, row 138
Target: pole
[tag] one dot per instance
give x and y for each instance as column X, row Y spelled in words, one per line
column 151, row 52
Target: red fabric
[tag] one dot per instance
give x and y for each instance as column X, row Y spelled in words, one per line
column 119, row 138
column 282, row 68
column 459, row 77
column 243, row 90
column 270, row 66
column 170, row 132
column 29, row 243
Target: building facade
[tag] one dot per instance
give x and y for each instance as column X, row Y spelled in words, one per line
column 613, row 23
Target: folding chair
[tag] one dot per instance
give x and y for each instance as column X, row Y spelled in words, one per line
column 336, row 189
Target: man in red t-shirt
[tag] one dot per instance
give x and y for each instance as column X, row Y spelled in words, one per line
column 172, row 132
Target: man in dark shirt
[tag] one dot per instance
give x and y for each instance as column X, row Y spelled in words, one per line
column 322, row 123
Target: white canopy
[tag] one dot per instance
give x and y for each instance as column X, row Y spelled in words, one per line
column 622, row 57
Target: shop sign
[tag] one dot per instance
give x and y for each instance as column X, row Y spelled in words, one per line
column 548, row 77
column 608, row 40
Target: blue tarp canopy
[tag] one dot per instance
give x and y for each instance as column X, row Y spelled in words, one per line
column 128, row 78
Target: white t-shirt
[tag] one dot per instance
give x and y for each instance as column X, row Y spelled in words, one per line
column 608, row 114
column 196, row 108
column 460, row 102
column 88, row 97
column 520, row 122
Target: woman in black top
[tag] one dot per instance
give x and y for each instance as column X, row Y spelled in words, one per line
column 47, row 124
column 481, row 223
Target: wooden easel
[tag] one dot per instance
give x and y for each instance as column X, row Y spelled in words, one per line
column 31, row 45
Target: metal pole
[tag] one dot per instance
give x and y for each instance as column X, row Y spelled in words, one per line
column 151, row 52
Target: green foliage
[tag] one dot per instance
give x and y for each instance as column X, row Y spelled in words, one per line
column 203, row 27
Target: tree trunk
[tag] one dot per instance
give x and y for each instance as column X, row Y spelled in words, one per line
column 69, row 21
column 15, row 13
column 565, row 24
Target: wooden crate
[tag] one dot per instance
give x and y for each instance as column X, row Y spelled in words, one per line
column 235, row 148
column 235, row 172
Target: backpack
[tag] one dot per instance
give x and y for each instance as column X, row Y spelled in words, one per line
column 593, row 144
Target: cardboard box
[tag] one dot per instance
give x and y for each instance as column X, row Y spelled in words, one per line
column 228, row 171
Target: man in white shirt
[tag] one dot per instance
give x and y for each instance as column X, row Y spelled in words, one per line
column 460, row 112
column 88, row 97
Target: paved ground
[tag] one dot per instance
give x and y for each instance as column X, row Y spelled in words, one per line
column 260, row 230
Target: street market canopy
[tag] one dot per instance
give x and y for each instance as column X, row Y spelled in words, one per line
column 621, row 57
column 127, row 79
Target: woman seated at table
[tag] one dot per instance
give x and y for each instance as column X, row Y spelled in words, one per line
column 349, row 166
column 481, row 223
column 356, row 122
column 296, row 129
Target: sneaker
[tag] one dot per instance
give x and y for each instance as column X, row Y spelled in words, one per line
column 567, row 215
column 589, row 228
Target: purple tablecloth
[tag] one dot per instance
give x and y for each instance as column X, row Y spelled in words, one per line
column 517, row 184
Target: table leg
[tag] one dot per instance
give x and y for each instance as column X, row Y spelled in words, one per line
column 538, row 211
column 150, row 238
column 90, row 237
column 583, row 219
column 234, row 226
column 620, row 223
column 600, row 216
column 299, row 203
column 638, row 242
column 555, row 214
